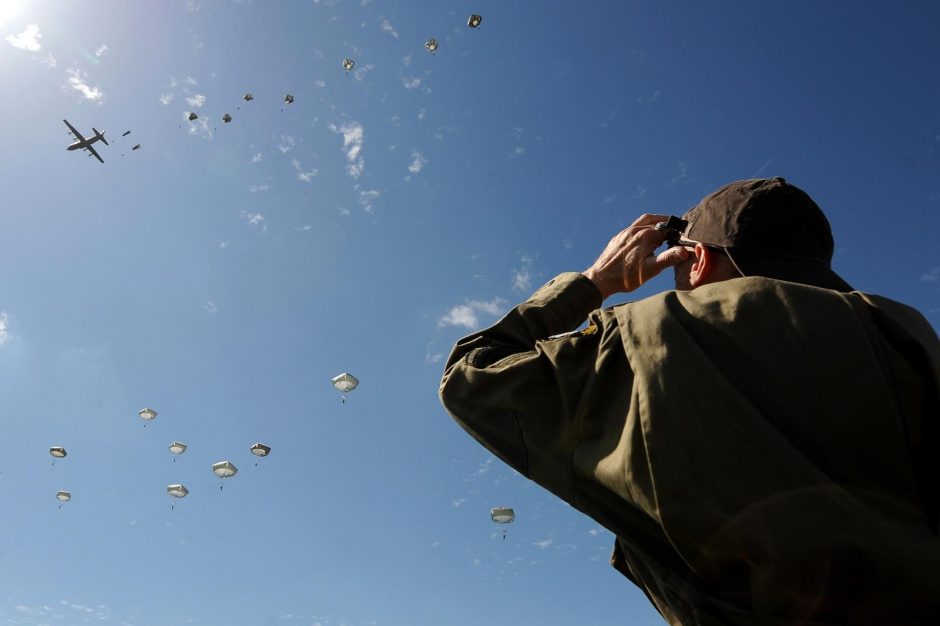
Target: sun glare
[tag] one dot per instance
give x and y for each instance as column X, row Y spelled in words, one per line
column 10, row 9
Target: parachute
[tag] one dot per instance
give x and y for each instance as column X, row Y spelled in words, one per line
column 431, row 45
column 193, row 117
column 177, row 448
column 248, row 97
column 348, row 64
column 125, row 133
column 136, row 147
column 176, row 491
column 224, row 469
column 58, row 452
column 226, row 118
column 502, row 515
column 148, row 415
column 63, row 496
column 474, row 21
column 288, row 99
column 345, row 382
column 260, row 450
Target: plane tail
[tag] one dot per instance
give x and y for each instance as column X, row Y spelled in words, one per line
column 99, row 134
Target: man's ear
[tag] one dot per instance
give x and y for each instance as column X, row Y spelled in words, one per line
column 702, row 266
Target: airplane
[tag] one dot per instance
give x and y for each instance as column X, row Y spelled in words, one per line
column 85, row 144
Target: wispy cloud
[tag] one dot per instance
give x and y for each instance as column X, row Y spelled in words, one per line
column 210, row 307
column 301, row 174
column 79, row 82
column 166, row 98
column 411, row 83
column 255, row 219
column 353, row 140
column 256, row 158
column 257, row 188
column 386, row 27
column 196, row 100
column 27, row 40
column 320, row 83
column 932, row 276
column 286, row 144
column 49, row 60
column 457, row 502
column 417, row 163
column 465, row 315
column 362, row 70
column 367, row 198
column 682, row 174
column 521, row 277
column 4, row 327
column 543, row 544
column 101, row 50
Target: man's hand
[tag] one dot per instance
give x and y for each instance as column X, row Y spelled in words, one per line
column 628, row 261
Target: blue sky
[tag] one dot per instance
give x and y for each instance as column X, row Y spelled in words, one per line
column 223, row 273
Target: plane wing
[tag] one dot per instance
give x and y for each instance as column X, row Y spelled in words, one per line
column 77, row 134
column 94, row 152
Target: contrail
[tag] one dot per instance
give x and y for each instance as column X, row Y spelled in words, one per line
column 764, row 166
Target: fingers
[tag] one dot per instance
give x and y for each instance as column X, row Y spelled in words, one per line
column 649, row 219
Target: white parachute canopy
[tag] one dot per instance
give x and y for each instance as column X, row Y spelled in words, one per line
column 177, row 491
column 431, row 45
column 348, row 64
column 177, row 448
column 502, row 515
column 224, row 469
column 345, row 382
column 474, row 20
column 64, row 496
column 148, row 415
column 260, row 449
column 58, row 452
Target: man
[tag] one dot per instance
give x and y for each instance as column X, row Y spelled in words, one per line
column 762, row 441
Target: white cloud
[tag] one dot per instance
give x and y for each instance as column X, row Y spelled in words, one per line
column 363, row 70
column 210, row 307
column 304, row 228
column 254, row 219
column 466, row 314
column 594, row 532
column 932, row 276
column 353, row 139
column 544, row 543
column 485, row 467
column 422, row 113
column 49, row 61
column 4, row 327
column 256, row 158
column 417, row 163
column 257, row 188
column 196, row 100
column 166, row 98
column 521, row 277
column 191, row 81
column 320, row 83
column 27, row 40
column 79, row 82
column 386, row 27
column 406, row 60
column 287, row 144
column 101, row 51
column 411, row 83
column 301, row 174
column 367, row 197
column 457, row 501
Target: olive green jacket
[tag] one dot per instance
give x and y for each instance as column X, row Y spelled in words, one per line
column 765, row 452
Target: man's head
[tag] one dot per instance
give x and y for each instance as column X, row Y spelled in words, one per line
column 758, row 227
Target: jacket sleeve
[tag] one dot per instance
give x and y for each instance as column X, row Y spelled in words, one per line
column 517, row 387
